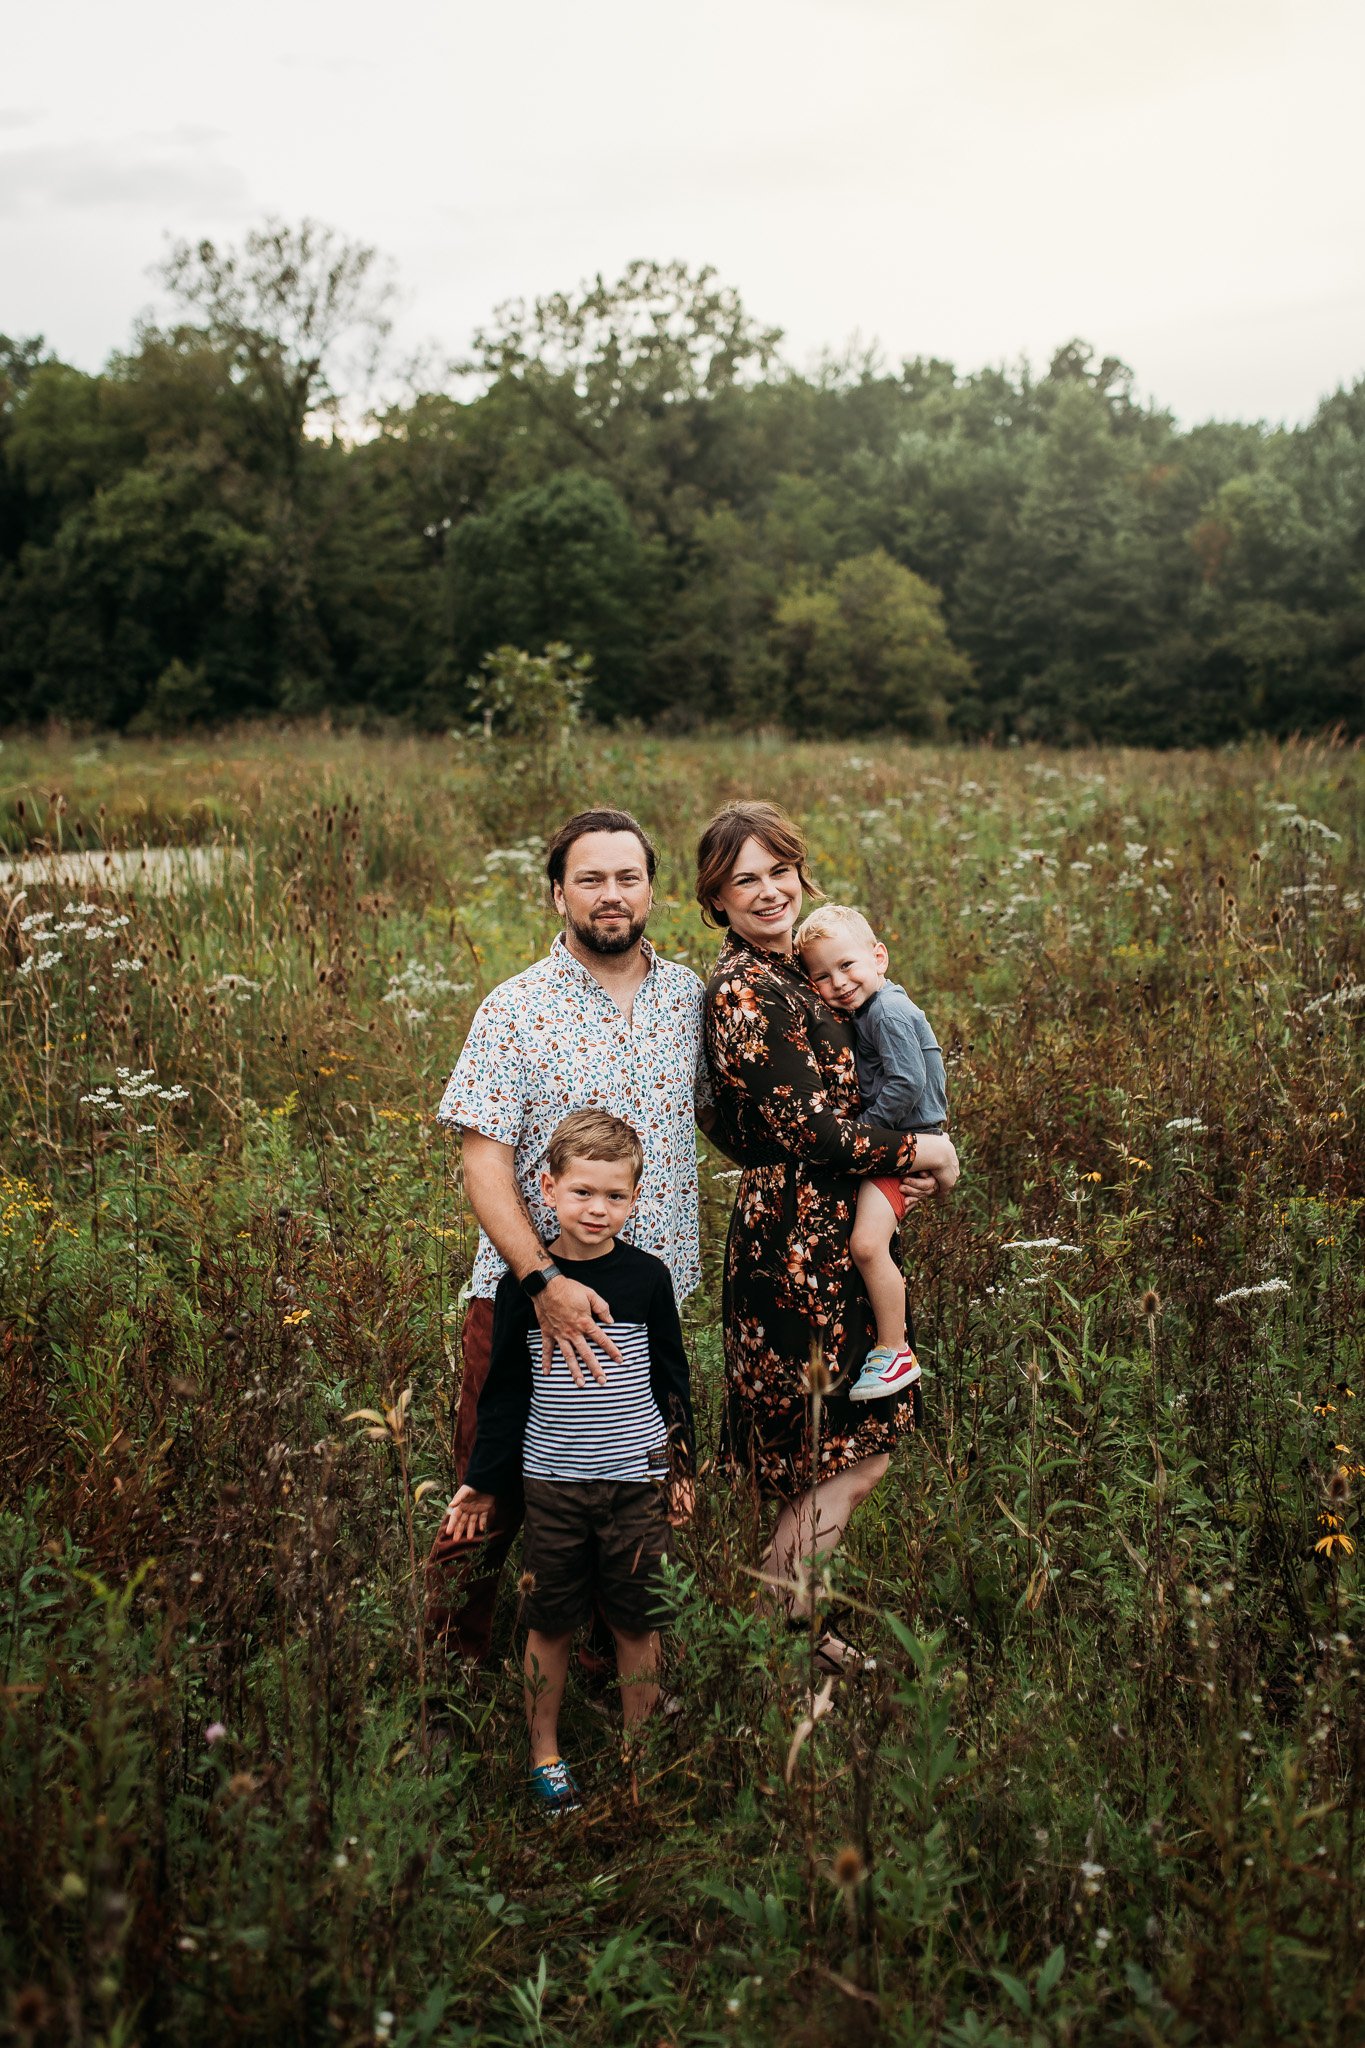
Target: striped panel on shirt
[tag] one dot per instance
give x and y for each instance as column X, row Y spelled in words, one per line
column 595, row 1431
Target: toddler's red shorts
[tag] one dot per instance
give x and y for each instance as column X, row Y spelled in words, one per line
column 888, row 1185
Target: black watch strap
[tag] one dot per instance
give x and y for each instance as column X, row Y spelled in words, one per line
column 536, row 1283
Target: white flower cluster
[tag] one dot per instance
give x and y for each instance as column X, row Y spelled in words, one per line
column 419, row 984
column 1291, row 819
column 1257, row 1287
column 524, row 859
column 1186, row 1123
column 42, row 928
column 239, row 986
column 1350, row 992
column 1038, row 1244
column 130, row 1086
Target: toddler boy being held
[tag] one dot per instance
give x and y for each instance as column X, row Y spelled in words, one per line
column 903, row 1086
column 593, row 1456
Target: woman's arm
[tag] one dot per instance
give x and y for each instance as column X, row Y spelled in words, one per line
column 762, row 1040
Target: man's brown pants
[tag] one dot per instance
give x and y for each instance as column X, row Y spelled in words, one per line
column 462, row 1577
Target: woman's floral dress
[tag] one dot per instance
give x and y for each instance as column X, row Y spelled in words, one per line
column 786, row 1088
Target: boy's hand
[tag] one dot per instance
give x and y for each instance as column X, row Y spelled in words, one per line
column 467, row 1515
column 681, row 1501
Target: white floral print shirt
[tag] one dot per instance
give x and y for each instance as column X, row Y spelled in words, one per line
column 551, row 1040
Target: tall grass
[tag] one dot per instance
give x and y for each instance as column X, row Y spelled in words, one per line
column 1104, row 1784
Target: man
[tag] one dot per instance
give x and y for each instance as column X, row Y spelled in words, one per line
column 601, row 1023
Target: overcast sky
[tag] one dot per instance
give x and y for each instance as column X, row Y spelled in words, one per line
column 1179, row 182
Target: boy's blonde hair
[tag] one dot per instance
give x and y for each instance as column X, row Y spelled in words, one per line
column 595, row 1134
column 829, row 920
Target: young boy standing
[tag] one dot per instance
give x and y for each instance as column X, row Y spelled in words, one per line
column 904, row 1088
column 594, row 1460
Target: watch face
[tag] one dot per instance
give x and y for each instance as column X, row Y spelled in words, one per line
column 536, row 1283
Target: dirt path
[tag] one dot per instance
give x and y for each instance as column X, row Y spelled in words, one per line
column 159, row 870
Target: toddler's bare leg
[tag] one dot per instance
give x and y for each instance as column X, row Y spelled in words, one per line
column 874, row 1225
column 545, row 1668
column 637, row 1664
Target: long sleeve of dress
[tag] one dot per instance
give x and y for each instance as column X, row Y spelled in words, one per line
column 760, row 1034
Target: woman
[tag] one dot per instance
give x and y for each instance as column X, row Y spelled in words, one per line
column 786, row 1091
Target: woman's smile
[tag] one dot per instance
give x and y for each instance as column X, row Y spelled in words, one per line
column 761, row 898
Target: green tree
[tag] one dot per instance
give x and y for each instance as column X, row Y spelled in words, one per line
column 561, row 562
column 302, row 314
column 869, row 649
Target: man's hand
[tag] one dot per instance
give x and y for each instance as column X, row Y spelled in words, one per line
column 467, row 1515
column 571, row 1318
column 682, row 1498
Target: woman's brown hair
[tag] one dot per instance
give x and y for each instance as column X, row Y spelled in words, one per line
column 719, row 845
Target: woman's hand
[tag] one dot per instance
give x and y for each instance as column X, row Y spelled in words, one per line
column 467, row 1515
column 936, row 1157
column 919, row 1187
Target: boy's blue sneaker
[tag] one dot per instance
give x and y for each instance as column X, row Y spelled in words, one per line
column 885, row 1371
column 553, row 1789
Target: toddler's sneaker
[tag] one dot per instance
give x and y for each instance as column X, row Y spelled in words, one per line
column 553, row 1789
column 885, row 1371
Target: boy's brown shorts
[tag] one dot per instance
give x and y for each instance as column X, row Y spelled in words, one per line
column 594, row 1538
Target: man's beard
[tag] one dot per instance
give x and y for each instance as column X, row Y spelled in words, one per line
column 620, row 940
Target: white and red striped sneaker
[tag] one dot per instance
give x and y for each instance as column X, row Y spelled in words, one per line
column 885, row 1371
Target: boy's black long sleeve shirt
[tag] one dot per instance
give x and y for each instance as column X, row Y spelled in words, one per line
column 639, row 1292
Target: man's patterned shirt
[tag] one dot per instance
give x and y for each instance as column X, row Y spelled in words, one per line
column 551, row 1040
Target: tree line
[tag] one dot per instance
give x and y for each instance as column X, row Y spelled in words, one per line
column 206, row 529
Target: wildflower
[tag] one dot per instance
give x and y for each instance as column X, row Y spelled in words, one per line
column 1093, row 1178
column 1335, row 1540
column 296, row 1316
column 848, row 1869
column 1151, row 1303
column 214, row 1733
column 1249, row 1293
column 1103, row 1937
column 1186, row 1123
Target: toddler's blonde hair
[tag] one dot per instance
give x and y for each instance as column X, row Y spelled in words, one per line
column 829, row 920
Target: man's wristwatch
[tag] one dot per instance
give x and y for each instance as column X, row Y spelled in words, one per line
column 536, row 1283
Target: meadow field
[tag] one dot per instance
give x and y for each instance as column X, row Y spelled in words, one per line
column 1105, row 1784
